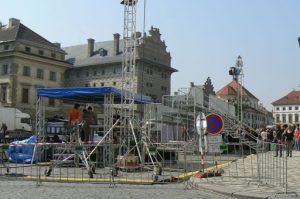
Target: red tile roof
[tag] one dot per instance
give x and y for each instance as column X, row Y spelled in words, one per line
column 290, row 99
column 231, row 90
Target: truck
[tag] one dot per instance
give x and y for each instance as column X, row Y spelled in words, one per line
column 18, row 123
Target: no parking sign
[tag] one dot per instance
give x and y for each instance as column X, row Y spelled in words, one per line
column 215, row 124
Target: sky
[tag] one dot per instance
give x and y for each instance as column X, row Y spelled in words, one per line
column 204, row 37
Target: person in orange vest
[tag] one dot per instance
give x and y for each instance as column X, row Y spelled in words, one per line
column 74, row 114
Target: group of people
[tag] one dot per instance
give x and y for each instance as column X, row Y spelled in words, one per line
column 87, row 117
column 288, row 135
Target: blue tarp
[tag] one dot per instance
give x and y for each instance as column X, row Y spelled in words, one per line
column 21, row 153
column 89, row 94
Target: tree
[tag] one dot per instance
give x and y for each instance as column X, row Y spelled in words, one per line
column 1, row 25
column 208, row 87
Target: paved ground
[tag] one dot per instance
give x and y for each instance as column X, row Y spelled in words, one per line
column 240, row 179
column 29, row 190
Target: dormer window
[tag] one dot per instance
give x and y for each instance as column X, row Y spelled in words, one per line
column 6, row 47
column 27, row 49
column 41, row 52
column 102, row 52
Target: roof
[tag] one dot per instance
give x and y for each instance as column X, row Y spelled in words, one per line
column 88, row 94
column 291, row 98
column 78, row 55
column 231, row 90
column 20, row 32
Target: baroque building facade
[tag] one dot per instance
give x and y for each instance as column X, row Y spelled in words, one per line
column 27, row 62
column 286, row 110
column 100, row 64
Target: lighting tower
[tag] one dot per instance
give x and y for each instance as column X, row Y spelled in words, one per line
column 238, row 76
column 128, row 72
column 128, row 62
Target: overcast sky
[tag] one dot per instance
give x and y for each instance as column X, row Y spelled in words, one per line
column 204, row 37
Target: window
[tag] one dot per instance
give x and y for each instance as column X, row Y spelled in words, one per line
column 87, row 74
column 25, row 95
column 148, row 84
column 102, row 52
column 296, row 117
column 164, row 76
column 277, row 108
column 95, row 73
column 103, row 72
column 4, row 69
column 6, row 47
column 52, row 76
column 284, row 118
column 290, row 118
column 26, row 71
column 53, row 55
column 27, row 49
column 3, row 93
column 51, row 102
column 114, row 83
column 102, row 84
column 40, row 73
column 94, row 84
column 115, row 71
column 290, row 108
column 77, row 74
column 41, row 52
column 283, row 108
column 296, row 107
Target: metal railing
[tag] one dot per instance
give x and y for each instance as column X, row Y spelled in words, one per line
column 163, row 163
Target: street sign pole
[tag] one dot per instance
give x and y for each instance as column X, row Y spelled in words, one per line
column 201, row 126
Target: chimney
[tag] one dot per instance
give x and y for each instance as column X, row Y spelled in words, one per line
column 57, row 44
column 91, row 43
column 116, row 43
column 13, row 22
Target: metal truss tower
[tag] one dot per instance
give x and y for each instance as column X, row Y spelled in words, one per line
column 238, row 76
column 129, row 55
column 129, row 81
column 240, row 84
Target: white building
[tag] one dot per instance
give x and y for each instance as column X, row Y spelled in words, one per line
column 286, row 110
